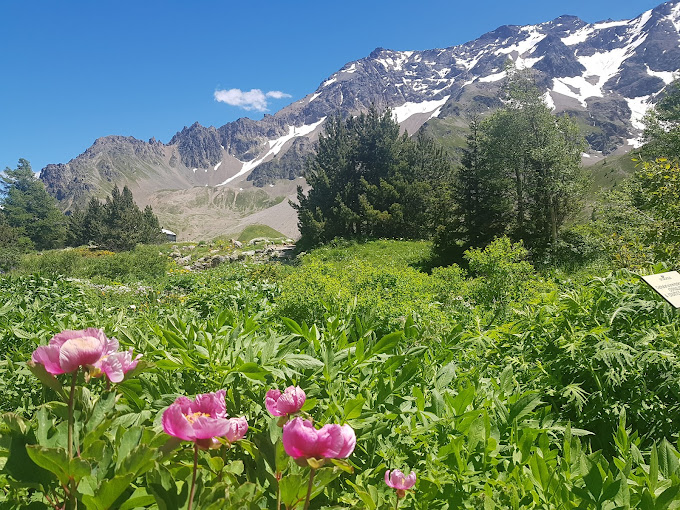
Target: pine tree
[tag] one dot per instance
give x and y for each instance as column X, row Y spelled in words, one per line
column 117, row 224
column 28, row 208
column 367, row 180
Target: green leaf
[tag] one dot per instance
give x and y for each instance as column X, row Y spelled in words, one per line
column 47, row 379
column 386, row 343
column 353, row 408
column 667, row 497
column 653, row 479
column 370, row 503
column 174, row 339
column 668, row 459
column 253, row 371
column 281, row 459
column 302, row 361
column 109, row 491
column 309, row 404
column 344, row 465
column 524, row 406
column 56, row 461
column 293, row 489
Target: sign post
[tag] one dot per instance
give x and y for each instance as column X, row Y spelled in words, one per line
column 667, row 285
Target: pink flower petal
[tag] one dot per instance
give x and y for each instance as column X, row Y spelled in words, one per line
column 349, row 439
column 270, row 402
column 175, row 423
column 48, row 356
column 212, row 404
column 300, row 438
column 291, row 401
column 336, row 442
column 206, row 427
column 397, row 480
column 77, row 352
column 116, row 365
column 237, row 429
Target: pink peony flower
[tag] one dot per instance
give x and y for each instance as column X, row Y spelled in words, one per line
column 69, row 350
column 397, row 480
column 237, row 429
column 302, row 440
column 288, row 402
column 115, row 365
column 202, row 419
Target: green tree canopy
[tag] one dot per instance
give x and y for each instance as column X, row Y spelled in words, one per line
column 520, row 175
column 661, row 135
column 118, row 224
column 30, row 209
column 367, row 180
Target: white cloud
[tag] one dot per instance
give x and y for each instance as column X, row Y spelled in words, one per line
column 254, row 99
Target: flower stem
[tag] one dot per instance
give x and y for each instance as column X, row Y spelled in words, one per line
column 71, row 397
column 278, row 491
column 193, row 478
column 70, row 414
column 396, row 506
column 312, row 472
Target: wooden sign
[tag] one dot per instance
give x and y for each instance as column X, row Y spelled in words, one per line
column 667, row 285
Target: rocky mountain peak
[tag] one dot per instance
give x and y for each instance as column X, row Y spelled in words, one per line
column 607, row 74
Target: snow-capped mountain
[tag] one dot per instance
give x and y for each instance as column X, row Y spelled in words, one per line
column 605, row 74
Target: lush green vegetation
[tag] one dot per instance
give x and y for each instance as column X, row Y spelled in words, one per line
column 500, row 385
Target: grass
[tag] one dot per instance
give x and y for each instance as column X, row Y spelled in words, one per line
column 254, row 231
column 610, row 171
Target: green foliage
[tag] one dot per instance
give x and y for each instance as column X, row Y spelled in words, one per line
column 661, row 135
column 639, row 221
column 116, row 225
column 29, row 210
column 143, row 263
column 503, row 274
column 569, row 400
column 520, row 175
column 368, row 181
column 379, row 291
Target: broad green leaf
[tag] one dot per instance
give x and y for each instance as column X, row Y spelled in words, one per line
column 386, row 343
column 109, row 491
column 253, row 371
column 353, row 408
column 302, row 361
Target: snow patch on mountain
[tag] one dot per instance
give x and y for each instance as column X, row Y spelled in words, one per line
column 579, row 36
column 403, row 112
column 638, row 107
column 494, row 77
column 275, row 147
column 675, row 17
column 217, row 166
column 525, row 45
column 666, row 76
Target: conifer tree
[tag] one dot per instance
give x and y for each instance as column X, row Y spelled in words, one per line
column 117, row 224
column 28, row 208
column 368, row 180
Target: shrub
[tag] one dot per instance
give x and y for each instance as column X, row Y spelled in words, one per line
column 503, row 274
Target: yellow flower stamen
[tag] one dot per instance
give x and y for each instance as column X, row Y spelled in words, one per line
column 191, row 418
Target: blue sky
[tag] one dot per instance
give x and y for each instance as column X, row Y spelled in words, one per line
column 72, row 71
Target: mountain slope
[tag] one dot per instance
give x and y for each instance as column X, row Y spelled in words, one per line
column 605, row 74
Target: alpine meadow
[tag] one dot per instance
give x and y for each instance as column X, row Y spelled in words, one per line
column 458, row 318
